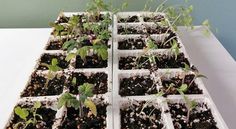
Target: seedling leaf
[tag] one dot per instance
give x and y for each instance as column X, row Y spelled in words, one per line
column 68, row 100
column 90, row 104
column 22, row 112
column 70, row 56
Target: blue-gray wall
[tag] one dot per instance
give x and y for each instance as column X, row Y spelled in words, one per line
column 37, row 13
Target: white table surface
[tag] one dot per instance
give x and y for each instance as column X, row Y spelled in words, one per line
column 20, row 48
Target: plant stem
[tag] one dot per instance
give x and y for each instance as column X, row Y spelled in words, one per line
column 188, row 114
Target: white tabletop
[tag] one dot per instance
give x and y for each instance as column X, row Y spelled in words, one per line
column 20, row 48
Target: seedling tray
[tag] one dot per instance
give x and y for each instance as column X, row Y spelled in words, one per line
column 143, row 25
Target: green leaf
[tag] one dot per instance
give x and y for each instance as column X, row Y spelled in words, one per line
column 183, row 88
column 68, row 100
column 90, row 104
column 54, row 61
column 74, row 81
column 151, row 44
column 102, row 52
column 186, row 67
column 37, row 104
column 21, row 112
column 191, row 104
column 86, row 90
column 70, row 56
column 83, row 51
column 175, row 49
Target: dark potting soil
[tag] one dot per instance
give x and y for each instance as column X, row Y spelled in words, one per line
column 129, row 19
column 47, row 58
column 177, row 82
column 99, row 80
column 140, row 43
column 157, row 18
column 147, row 30
column 90, row 62
column 163, row 61
column 131, row 44
column 202, row 119
column 63, row 19
column 74, row 121
column 37, row 86
column 47, row 114
column 137, row 85
column 133, row 118
column 55, row 45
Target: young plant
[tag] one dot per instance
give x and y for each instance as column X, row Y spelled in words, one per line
column 95, row 7
column 190, row 104
column 52, row 69
column 58, row 29
column 175, row 49
column 24, row 114
column 85, row 91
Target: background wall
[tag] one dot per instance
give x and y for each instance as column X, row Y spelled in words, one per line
column 38, row 13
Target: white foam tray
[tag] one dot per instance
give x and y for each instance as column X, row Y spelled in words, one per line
column 114, row 74
column 119, row 101
column 71, row 68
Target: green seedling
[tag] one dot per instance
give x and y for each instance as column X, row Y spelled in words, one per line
column 190, row 104
column 24, row 114
column 175, row 49
column 59, row 29
column 52, row 69
column 85, row 91
column 95, row 7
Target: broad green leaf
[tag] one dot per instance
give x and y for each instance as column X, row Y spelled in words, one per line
column 68, row 100
column 21, row 112
column 54, row 61
column 183, row 88
column 70, row 56
column 90, row 104
column 37, row 104
column 103, row 53
column 83, row 52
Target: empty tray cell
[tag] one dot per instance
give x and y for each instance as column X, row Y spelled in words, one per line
column 141, row 115
column 138, row 84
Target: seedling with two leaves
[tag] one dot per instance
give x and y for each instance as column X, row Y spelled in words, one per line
column 25, row 115
column 85, row 91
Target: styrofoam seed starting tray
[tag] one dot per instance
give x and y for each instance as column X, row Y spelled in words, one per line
column 118, row 73
column 70, row 69
column 112, row 97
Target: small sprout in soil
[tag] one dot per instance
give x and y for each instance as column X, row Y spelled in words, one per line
column 74, row 80
column 52, row 69
column 85, row 91
column 95, row 7
column 58, row 29
column 24, row 114
column 151, row 44
column 190, row 104
column 175, row 48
